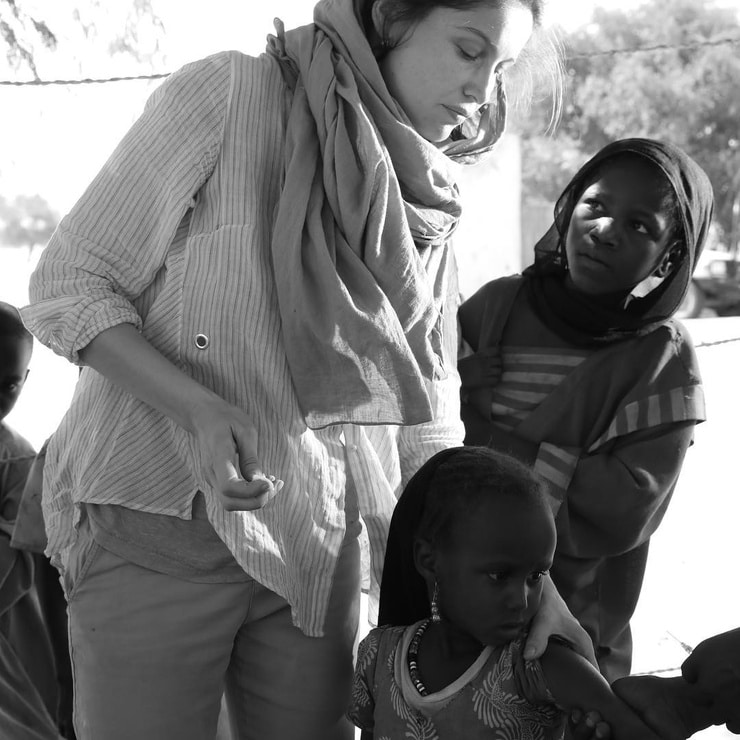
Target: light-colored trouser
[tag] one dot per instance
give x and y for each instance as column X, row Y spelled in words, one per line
column 152, row 654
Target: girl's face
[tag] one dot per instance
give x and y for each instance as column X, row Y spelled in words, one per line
column 15, row 356
column 445, row 67
column 490, row 574
column 620, row 229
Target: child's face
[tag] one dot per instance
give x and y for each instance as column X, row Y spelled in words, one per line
column 490, row 574
column 14, row 358
column 620, row 229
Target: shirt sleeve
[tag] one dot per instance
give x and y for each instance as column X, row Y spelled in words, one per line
column 362, row 704
column 113, row 243
column 557, row 466
column 617, row 496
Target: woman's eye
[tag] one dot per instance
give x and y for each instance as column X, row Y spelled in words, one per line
column 469, row 55
column 593, row 204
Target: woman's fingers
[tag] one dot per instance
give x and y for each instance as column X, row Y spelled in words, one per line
column 554, row 618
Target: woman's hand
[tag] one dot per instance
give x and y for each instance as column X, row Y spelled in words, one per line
column 227, row 442
column 554, row 618
column 714, row 669
column 225, row 437
column 671, row 707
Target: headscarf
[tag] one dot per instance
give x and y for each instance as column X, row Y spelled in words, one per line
column 580, row 318
column 360, row 236
column 403, row 592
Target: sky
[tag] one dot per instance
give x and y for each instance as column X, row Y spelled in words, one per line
column 56, row 138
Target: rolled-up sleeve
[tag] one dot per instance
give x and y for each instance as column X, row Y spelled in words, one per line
column 113, row 243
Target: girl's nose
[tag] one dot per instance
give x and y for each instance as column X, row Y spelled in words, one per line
column 605, row 231
column 517, row 597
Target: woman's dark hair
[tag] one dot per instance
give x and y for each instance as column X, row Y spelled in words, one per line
column 452, row 482
column 540, row 65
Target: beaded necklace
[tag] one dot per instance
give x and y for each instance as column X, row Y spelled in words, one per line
column 413, row 654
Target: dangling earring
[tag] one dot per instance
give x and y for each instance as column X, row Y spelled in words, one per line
column 435, row 605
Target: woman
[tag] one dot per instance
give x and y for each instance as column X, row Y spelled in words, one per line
column 259, row 279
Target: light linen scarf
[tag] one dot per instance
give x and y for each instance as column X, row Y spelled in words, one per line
column 359, row 245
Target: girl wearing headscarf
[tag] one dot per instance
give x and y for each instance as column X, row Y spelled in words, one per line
column 577, row 368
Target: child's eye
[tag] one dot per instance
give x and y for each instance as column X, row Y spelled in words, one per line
column 639, row 226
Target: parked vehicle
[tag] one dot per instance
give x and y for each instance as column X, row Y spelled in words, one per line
column 715, row 285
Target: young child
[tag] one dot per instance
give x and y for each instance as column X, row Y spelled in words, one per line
column 27, row 677
column 577, row 369
column 471, row 541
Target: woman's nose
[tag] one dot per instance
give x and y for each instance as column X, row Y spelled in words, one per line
column 482, row 84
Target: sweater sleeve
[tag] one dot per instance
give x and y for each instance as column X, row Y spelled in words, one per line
column 113, row 243
column 618, row 495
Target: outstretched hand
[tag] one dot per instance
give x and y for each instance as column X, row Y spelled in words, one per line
column 671, row 707
column 227, row 441
column 554, row 619
column 714, row 668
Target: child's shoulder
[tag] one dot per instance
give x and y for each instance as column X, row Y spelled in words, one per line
column 670, row 343
column 378, row 646
column 387, row 634
column 13, row 444
column 499, row 288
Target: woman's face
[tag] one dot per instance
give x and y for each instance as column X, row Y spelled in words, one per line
column 445, row 67
column 620, row 228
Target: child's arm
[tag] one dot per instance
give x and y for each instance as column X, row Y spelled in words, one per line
column 673, row 707
column 576, row 684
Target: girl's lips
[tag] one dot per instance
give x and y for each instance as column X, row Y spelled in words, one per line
column 592, row 260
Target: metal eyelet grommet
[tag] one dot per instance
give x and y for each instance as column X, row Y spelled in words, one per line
column 201, row 341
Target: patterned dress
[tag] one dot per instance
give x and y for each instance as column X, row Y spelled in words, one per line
column 500, row 696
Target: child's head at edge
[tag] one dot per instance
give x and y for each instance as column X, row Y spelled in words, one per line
column 684, row 194
column 16, row 346
column 480, row 524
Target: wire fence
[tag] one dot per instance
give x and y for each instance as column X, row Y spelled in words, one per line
column 691, row 46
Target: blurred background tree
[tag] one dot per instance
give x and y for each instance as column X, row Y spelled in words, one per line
column 28, row 33
column 26, row 221
column 689, row 95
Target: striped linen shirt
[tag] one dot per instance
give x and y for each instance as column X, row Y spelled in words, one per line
column 173, row 236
